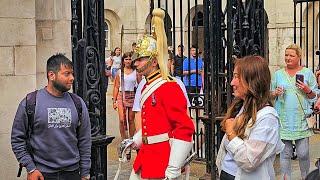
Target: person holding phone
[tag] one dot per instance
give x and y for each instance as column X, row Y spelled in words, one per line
column 251, row 141
column 294, row 88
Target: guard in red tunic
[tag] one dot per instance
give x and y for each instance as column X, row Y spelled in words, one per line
column 165, row 137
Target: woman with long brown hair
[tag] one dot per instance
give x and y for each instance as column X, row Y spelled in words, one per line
column 123, row 95
column 252, row 139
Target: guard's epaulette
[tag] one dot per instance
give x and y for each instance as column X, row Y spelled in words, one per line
column 171, row 79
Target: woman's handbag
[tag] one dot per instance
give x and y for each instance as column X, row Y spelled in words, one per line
column 108, row 71
column 311, row 120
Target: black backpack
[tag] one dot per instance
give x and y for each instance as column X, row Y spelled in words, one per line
column 30, row 109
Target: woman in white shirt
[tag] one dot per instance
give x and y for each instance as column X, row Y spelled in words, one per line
column 123, row 95
column 116, row 62
column 252, row 140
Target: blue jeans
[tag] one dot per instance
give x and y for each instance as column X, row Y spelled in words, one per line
column 62, row 175
column 302, row 148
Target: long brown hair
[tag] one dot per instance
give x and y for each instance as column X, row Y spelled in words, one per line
column 255, row 75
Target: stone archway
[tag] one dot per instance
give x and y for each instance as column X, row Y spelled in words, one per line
column 114, row 29
column 167, row 24
column 196, row 27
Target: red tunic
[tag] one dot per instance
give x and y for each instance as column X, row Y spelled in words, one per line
column 164, row 111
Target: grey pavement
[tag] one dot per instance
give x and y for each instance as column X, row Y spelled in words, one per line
column 197, row 168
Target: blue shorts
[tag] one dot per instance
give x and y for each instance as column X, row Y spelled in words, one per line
column 114, row 72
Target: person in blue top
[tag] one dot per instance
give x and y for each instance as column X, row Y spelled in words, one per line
column 293, row 101
column 193, row 72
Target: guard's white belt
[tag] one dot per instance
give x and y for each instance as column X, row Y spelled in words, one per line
column 155, row 139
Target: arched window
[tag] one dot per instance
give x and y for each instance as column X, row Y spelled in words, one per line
column 167, row 27
column 107, row 31
column 199, row 20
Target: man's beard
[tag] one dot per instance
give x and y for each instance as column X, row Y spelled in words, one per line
column 143, row 68
column 60, row 87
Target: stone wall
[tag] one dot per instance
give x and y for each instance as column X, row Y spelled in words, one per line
column 53, row 31
column 17, row 70
column 31, row 31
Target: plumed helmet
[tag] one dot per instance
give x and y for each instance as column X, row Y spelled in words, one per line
column 146, row 47
column 155, row 45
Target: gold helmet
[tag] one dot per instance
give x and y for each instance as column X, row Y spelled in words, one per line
column 146, row 47
column 155, row 45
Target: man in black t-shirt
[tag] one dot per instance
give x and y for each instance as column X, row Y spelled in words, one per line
column 178, row 62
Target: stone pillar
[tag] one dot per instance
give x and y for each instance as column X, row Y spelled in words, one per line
column 53, row 22
column 17, row 71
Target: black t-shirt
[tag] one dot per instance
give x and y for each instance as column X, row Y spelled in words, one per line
column 178, row 65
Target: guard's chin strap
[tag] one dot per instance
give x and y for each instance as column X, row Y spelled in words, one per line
column 143, row 68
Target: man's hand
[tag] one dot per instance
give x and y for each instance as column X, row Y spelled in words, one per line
column 35, row 175
column 85, row 178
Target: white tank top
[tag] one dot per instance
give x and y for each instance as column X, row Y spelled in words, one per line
column 130, row 81
column 116, row 62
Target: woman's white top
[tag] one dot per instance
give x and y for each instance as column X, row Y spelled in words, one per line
column 130, row 80
column 254, row 155
column 228, row 164
column 116, row 62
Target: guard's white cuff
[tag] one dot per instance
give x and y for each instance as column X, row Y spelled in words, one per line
column 179, row 152
column 137, row 139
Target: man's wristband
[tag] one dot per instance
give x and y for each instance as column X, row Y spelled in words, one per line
column 32, row 171
column 86, row 177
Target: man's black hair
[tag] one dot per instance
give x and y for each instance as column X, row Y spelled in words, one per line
column 194, row 46
column 55, row 61
column 180, row 46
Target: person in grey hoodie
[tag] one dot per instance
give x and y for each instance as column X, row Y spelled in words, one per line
column 60, row 141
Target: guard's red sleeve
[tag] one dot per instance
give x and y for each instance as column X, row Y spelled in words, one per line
column 175, row 105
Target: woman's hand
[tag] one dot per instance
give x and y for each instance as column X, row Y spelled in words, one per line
column 318, row 77
column 278, row 91
column 317, row 107
column 303, row 87
column 114, row 105
column 229, row 126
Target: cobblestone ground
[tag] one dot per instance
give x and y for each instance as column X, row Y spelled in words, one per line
column 198, row 169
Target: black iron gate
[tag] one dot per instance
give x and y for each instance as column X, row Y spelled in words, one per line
column 220, row 31
column 88, row 44
column 307, row 34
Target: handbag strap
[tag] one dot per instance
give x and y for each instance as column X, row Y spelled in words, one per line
column 295, row 92
column 301, row 105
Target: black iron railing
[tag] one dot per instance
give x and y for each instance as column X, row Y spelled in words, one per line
column 88, row 47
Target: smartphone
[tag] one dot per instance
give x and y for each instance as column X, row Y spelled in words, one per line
column 299, row 77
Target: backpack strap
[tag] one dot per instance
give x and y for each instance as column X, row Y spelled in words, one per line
column 30, row 109
column 77, row 103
